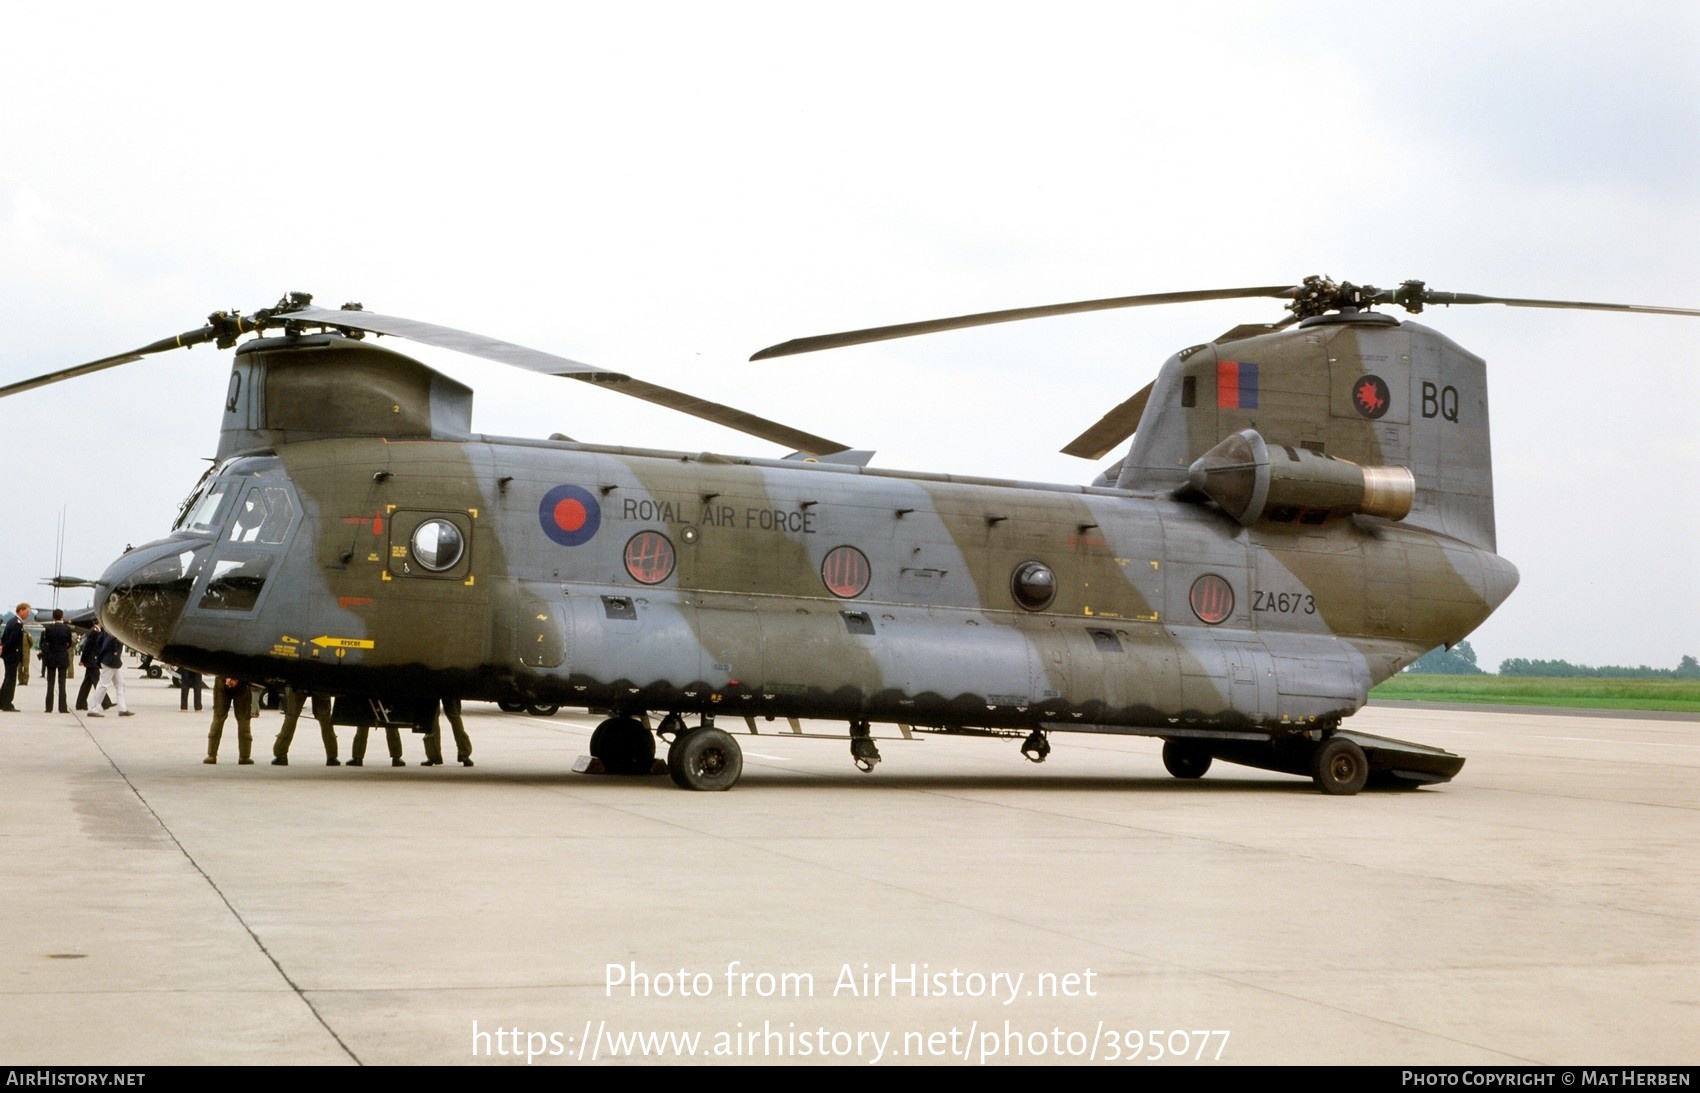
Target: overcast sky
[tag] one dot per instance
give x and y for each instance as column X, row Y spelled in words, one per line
column 663, row 189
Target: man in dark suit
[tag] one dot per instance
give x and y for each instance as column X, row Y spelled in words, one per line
column 89, row 657
column 56, row 657
column 11, row 654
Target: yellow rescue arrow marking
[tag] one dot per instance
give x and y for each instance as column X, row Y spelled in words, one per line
column 326, row 642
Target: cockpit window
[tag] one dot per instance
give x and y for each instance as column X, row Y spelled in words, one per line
column 206, row 511
column 265, row 516
column 236, row 583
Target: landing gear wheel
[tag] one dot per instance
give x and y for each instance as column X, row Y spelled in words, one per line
column 705, row 759
column 863, row 751
column 1185, row 760
column 510, row 707
column 1339, row 767
column 623, row 745
column 542, row 709
column 154, row 671
column 1036, row 747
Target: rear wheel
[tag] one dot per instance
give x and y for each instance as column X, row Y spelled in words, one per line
column 508, row 706
column 542, row 709
column 1184, row 759
column 1339, row 767
column 623, row 745
column 706, row 759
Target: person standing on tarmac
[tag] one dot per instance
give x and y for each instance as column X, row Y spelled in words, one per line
column 434, row 738
column 88, row 655
column 188, row 681
column 293, row 700
column 56, row 658
column 231, row 694
column 110, row 653
column 12, row 655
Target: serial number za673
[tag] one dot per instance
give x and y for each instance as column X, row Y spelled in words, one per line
column 1289, row 603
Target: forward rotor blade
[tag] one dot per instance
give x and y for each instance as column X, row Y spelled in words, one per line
column 1448, row 298
column 179, row 341
column 987, row 318
column 729, row 416
column 535, row 360
column 444, row 337
column 1111, row 429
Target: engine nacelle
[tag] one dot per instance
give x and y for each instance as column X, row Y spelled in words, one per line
column 1252, row 481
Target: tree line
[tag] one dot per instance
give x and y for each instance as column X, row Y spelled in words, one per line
column 1460, row 660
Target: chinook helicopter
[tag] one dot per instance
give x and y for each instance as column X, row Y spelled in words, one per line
column 1306, row 508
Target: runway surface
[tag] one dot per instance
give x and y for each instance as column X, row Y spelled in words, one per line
column 1542, row 908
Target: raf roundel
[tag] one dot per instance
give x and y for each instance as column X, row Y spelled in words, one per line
column 570, row 515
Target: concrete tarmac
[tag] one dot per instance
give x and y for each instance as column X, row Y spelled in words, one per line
column 958, row 905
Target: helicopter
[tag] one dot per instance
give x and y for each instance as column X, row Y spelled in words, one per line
column 1306, row 508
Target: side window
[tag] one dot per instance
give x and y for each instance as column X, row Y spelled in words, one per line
column 434, row 545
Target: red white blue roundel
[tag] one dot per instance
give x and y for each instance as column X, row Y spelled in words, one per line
column 569, row 515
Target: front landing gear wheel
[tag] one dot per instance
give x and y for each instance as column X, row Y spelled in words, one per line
column 623, row 745
column 705, row 759
column 1185, row 760
column 863, row 751
column 1339, row 767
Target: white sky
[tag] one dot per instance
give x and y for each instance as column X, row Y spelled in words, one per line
column 663, row 189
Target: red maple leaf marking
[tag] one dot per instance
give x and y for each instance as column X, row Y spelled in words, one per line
column 1368, row 398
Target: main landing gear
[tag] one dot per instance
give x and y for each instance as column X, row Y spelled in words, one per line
column 1339, row 767
column 624, row 746
column 705, row 758
column 1337, row 764
column 702, row 757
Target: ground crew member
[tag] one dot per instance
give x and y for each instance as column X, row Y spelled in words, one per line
column 293, row 700
column 231, row 693
column 434, row 738
column 357, row 753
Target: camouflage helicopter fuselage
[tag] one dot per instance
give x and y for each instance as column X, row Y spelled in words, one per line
column 1237, row 581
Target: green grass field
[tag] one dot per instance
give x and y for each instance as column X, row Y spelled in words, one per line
column 1681, row 695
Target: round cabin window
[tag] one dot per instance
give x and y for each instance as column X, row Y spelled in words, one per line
column 437, row 545
column 1033, row 585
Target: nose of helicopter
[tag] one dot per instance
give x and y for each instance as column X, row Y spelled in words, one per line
column 141, row 596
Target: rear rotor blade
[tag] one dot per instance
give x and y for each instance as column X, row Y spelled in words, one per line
column 987, row 318
column 535, row 360
column 1111, row 429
